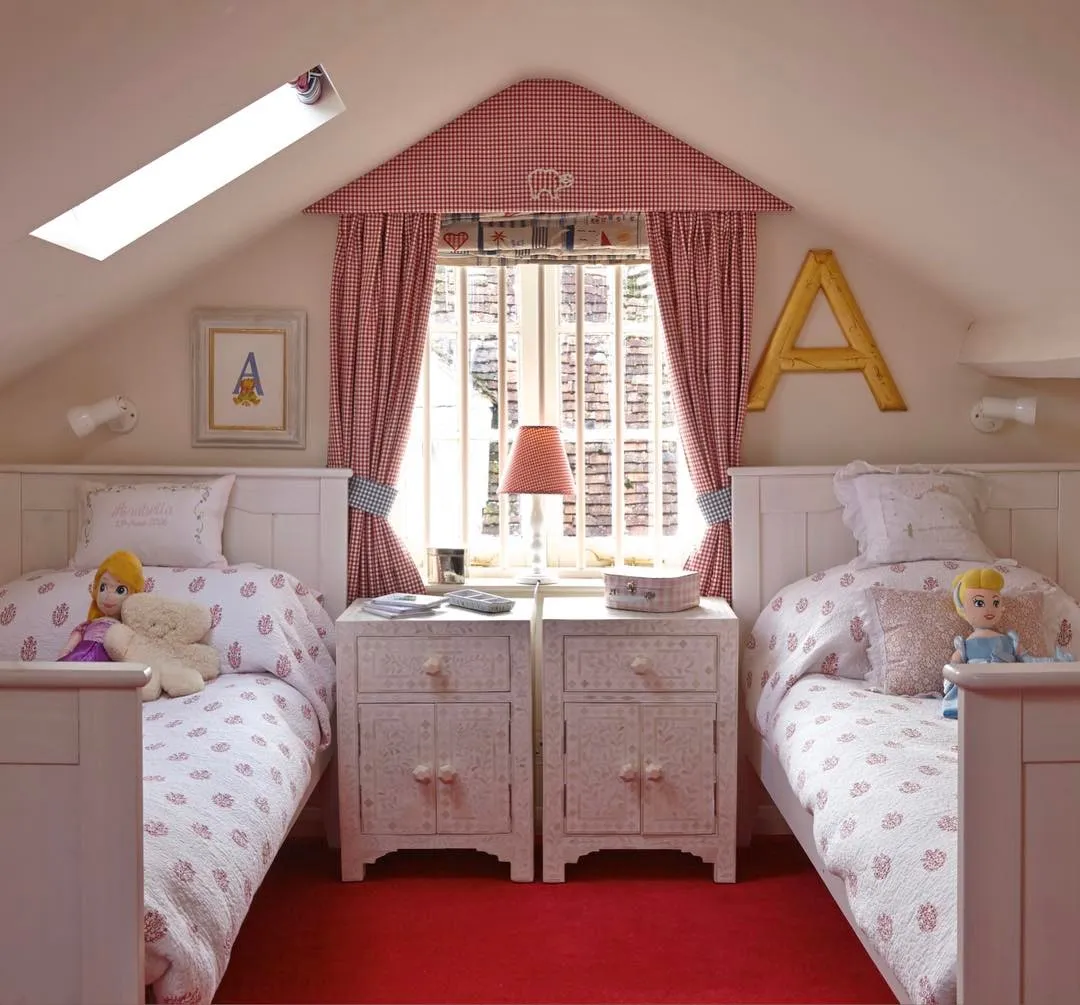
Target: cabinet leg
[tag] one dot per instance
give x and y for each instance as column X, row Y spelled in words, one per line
column 723, row 872
column 554, row 872
column 522, row 870
column 352, row 873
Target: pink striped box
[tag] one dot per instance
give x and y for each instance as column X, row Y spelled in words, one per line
column 656, row 591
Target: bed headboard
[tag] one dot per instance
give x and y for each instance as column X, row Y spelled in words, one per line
column 294, row 519
column 786, row 525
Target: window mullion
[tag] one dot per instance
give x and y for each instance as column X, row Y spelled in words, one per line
column 463, row 396
column 426, row 445
column 579, row 412
column 531, row 407
column 504, row 421
column 618, row 520
column 656, row 392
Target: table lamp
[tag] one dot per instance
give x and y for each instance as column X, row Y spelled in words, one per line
column 538, row 467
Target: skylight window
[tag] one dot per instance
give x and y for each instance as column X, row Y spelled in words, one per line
column 148, row 197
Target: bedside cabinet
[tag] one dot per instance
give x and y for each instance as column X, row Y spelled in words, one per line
column 640, row 731
column 434, row 721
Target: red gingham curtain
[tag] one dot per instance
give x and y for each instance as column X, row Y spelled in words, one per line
column 380, row 298
column 704, row 265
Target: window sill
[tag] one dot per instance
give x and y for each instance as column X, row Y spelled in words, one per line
column 513, row 589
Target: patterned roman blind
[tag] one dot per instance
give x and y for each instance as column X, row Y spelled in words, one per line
column 515, row 239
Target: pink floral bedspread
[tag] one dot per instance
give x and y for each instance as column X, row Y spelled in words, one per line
column 224, row 771
column 878, row 772
column 879, row 775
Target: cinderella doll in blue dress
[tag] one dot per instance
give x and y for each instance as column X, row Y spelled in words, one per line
column 977, row 597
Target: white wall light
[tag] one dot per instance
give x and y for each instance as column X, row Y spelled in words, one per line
column 988, row 415
column 117, row 412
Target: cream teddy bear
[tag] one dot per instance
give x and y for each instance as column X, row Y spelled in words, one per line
column 165, row 634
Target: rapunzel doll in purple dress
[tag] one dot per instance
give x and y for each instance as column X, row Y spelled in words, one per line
column 119, row 576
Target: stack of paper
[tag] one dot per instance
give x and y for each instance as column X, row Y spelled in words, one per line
column 402, row 605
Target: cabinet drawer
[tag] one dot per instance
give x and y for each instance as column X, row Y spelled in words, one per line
column 433, row 665
column 639, row 663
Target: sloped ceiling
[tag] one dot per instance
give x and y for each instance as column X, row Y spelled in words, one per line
column 944, row 132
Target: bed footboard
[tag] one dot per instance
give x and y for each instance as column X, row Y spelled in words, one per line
column 71, row 870
column 1019, row 833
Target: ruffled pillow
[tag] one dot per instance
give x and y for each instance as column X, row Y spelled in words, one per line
column 912, row 513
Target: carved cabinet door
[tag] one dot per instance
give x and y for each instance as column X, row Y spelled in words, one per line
column 472, row 767
column 397, row 768
column 601, row 769
column 678, row 768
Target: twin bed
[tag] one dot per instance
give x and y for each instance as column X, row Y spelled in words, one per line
column 135, row 834
column 951, row 846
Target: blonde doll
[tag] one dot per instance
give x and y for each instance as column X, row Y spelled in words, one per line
column 119, row 576
column 977, row 598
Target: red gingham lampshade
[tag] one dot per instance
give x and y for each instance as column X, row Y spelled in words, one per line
column 538, row 464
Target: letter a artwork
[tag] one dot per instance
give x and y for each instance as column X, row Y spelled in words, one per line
column 249, row 389
column 821, row 271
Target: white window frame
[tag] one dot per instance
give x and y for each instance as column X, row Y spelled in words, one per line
column 538, row 302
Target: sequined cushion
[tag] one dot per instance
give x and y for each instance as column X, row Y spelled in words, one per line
column 912, row 634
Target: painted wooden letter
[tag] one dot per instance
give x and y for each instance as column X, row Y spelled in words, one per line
column 821, row 271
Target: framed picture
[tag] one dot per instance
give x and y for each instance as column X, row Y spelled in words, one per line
column 250, row 378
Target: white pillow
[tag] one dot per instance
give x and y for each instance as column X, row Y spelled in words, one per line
column 164, row 523
column 912, row 513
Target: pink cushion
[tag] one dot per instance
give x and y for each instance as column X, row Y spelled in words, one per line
column 912, row 635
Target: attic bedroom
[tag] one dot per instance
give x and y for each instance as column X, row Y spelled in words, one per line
column 307, row 306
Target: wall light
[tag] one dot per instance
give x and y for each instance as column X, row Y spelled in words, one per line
column 117, row 412
column 988, row 415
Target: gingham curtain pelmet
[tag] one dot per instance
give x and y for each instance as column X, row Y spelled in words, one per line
column 380, row 298
column 704, row 264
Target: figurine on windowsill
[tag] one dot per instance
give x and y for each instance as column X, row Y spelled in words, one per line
column 978, row 600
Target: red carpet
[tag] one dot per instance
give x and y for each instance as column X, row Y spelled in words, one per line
column 625, row 927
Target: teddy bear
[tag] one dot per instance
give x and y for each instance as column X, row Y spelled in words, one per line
column 165, row 634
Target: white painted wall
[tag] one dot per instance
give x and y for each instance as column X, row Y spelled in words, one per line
column 812, row 418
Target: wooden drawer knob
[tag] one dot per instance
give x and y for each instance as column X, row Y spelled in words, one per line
column 628, row 772
column 434, row 665
column 653, row 771
column 447, row 774
column 422, row 772
column 641, row 665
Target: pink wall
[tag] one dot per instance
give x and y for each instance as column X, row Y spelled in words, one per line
column 821, row 418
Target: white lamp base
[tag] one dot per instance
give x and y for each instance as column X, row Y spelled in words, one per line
column 535, row 579
column 539, row 574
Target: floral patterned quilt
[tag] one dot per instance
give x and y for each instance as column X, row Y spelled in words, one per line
column 877, row 771
column 224, row 771
column 879, row 775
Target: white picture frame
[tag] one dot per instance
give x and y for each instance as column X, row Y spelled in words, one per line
column 249, row 386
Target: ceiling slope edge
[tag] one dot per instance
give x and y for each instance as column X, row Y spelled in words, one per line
column 1034, row 346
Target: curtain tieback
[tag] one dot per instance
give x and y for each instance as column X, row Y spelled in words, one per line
column 715, row 506
column 371, row 497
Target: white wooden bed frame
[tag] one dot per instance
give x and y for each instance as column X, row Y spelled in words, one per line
column 71, row 873
column 1019, row 729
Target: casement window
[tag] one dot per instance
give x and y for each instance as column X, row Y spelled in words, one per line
column 580, row 346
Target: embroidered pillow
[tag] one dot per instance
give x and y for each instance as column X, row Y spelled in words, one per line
column 911, row 514
column 164, row 523
column 912, row 633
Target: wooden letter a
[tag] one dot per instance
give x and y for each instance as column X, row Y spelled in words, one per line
column 821, row 271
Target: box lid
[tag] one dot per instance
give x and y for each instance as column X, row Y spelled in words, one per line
column 648, row 572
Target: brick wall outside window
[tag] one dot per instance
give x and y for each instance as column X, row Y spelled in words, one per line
column 599, row 386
